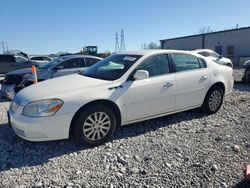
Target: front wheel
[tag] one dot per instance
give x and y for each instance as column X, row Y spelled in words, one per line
column 95, row 125
column 213, row 100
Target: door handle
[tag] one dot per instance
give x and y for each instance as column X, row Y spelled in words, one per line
column 168, row 84
column 203, row 78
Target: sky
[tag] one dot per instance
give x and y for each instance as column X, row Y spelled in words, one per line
column 51, row 26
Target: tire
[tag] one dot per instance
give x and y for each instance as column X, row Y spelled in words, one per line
column 95, row 125
column 213, row 100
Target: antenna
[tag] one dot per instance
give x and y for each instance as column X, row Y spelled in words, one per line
column 122, row 47
column 117, row 48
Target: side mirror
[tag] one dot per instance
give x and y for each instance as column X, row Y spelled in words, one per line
column 141, row 74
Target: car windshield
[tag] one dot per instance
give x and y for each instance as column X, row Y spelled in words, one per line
column 52, row 63
column 111, row 68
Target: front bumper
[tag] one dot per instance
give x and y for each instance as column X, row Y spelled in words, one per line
column 40, row 128
column 7, row 90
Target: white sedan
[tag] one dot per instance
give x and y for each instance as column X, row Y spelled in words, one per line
column 119, row 90
column 210, row 54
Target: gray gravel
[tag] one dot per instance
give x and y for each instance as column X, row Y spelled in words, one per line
column 188, row 149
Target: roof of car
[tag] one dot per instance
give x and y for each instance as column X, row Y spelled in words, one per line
column 80, row 56
column 151, row 52
column 203, row 50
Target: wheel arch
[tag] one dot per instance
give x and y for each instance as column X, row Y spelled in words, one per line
column 109, row 103
column 219, row 84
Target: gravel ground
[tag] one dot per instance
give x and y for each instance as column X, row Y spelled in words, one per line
column 187, row 149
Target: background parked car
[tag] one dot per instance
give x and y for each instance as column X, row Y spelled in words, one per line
column 214, row 56
column 17, row 80
column 40, row 60
column 10, row 62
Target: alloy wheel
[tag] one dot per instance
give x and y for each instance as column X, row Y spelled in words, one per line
column 215, row 100
column 96, row 126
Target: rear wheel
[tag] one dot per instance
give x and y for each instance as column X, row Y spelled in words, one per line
column 213, row 100
column 95, row 125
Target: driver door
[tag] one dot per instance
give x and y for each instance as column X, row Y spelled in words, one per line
column 154, row 95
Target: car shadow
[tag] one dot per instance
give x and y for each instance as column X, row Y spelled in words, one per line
column 242, row 184
column 241, row 86
column 16, row 152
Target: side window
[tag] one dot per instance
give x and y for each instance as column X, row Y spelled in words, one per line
column 205, row 54
column 185, row 62
column 91, row 61
column 202, row 63
column 215, row 55
column 71, row 63
column 155, row 65
column 20, row 60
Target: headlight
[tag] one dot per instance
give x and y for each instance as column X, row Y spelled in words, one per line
column 15, row 104
column 42, row 108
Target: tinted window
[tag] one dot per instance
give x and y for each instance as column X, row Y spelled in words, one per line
column 71, row 63
column 112, row 67
column 155, row 65
column 91, row 61
column 185, row 62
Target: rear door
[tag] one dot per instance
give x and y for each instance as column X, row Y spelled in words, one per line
column 192, row 80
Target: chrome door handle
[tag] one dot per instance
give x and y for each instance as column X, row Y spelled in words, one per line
column 168, row 84
column 203, row 78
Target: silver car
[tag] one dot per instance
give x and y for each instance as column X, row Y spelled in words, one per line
column 14, row 81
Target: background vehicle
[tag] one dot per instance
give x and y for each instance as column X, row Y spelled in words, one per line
column 214, row 56
column 119, row 90
column 246, row 77
column 10, row 62
column 40, row 60
column 17, row 80
column 93, row 50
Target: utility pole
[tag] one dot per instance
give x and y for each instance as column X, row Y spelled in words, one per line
column 7, row 50
column 3, row 47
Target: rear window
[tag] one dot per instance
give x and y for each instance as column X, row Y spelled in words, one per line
column 7, row 58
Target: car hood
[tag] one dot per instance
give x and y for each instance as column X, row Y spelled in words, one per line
column 20, row 71
column 58, row 87
column 41, row 73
